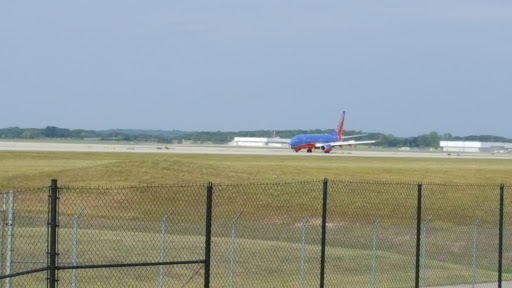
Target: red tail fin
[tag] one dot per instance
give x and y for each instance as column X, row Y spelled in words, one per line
column 339, row 128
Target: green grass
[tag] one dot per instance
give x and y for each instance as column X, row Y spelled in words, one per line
column 258, row 263
column 353, row 200
column 34, row 169
column 271, row 213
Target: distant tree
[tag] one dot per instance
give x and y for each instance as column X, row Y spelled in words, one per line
column 391, row 141
column 26, row 134
column 412, row 142
column 12, row 132
column 423, row 140
column 55, row 132
column 434, row 139
column 447, row 137
column 429, row 140
column 50, row 131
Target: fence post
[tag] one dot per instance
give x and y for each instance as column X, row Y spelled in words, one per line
column 418, row 238
column 500, row 243
column 303, row 252
column 424, row 250
column 10, row 237
column 324, row 234
column 473, row 264
column 232, row 250
column 162, row 248
column 208, row 236
column 374, row 252
column 4, row 208
column 52, row 226
column 75, row 246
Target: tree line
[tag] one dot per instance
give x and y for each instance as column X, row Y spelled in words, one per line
column 52, row 132
column 429, row 140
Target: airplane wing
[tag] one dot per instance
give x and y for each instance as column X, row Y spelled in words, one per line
column 345, row 143
column 352, row 136
column 352, row 142
column 278, row 140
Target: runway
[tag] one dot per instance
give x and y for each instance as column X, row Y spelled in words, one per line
column 233, row 150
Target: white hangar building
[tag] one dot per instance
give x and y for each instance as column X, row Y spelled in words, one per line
column 475, row 146
column 260, row 142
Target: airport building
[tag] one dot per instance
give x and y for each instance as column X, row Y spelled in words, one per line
column 260, row 142
column 475, row 146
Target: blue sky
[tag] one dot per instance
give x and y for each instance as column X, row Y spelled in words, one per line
column 399, row 67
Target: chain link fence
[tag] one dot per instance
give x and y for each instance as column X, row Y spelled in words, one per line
column 301, row 234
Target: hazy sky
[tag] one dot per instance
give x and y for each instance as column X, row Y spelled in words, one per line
column 399, row 67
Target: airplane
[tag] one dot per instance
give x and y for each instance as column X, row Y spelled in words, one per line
column 326, row 142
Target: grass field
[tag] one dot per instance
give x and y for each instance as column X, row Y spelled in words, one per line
column 272, row 212
column 277, row 263
column 34, row 169
column 20, row 170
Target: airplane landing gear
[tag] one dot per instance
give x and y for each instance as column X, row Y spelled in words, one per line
column 310, row 150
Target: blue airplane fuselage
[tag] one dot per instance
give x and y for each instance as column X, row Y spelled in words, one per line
column 326, row 142
column 307, row 141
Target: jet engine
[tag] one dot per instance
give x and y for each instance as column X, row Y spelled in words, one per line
column 326, row 148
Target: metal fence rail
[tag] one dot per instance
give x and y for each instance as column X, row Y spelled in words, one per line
column 301, row 234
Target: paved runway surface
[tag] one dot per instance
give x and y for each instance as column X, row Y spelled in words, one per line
column 227, row 149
